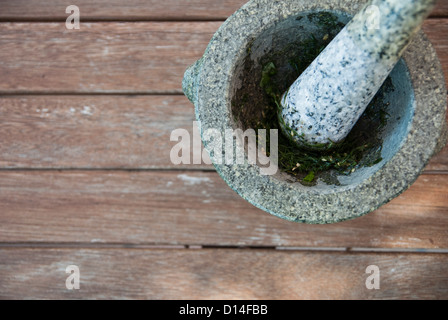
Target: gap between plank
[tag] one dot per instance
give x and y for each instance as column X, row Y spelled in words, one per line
column 131, row 19
column 98, row 246
column 192, row 169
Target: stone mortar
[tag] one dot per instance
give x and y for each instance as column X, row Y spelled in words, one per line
column 416, row 133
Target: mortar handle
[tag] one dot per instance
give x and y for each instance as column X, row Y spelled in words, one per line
column 190, row 81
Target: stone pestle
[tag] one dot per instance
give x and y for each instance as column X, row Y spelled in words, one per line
column 325, row 102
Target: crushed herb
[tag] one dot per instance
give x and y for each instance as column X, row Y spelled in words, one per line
column 279, row 69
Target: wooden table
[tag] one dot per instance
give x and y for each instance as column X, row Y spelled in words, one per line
column 86, row 177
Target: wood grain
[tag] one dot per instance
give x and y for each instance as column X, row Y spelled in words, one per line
column 140, row 57
column 198, row 208
column 441, row 9
column 134, row 9
column 436, row 30
column 120, row 10
column 144, row 57
column 92, row 132
column 110, row 221
column 218, row 274
column 439, row 162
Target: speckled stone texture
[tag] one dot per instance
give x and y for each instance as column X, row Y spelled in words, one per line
column 211, row 84
column 324, row 104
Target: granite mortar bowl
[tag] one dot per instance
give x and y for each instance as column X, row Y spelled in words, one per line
column 262, row 31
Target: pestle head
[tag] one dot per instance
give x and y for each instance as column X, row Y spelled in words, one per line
column 325, row 102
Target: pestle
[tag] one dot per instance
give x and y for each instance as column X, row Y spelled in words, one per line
column 325, row 102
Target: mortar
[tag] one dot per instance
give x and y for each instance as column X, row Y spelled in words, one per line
column 224, row 86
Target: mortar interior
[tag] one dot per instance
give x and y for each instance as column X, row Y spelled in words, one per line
column 286, row 41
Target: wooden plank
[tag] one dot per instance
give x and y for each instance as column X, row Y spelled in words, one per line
column 436, row 30
column 218, row 274
column 143, row 57
column 441, row 9
column 134, row 9
column 120, row 10
column 91, row 132
column 198, row 208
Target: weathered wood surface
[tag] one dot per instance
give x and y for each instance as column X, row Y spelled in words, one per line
column 442, row 9
column 90, row 132
column 198, row 208
column 110, row 220
column 141, row 57
column 436, row 30
column 106, row 57
column 134, row 9
column 219, row 274
column 120, row 10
